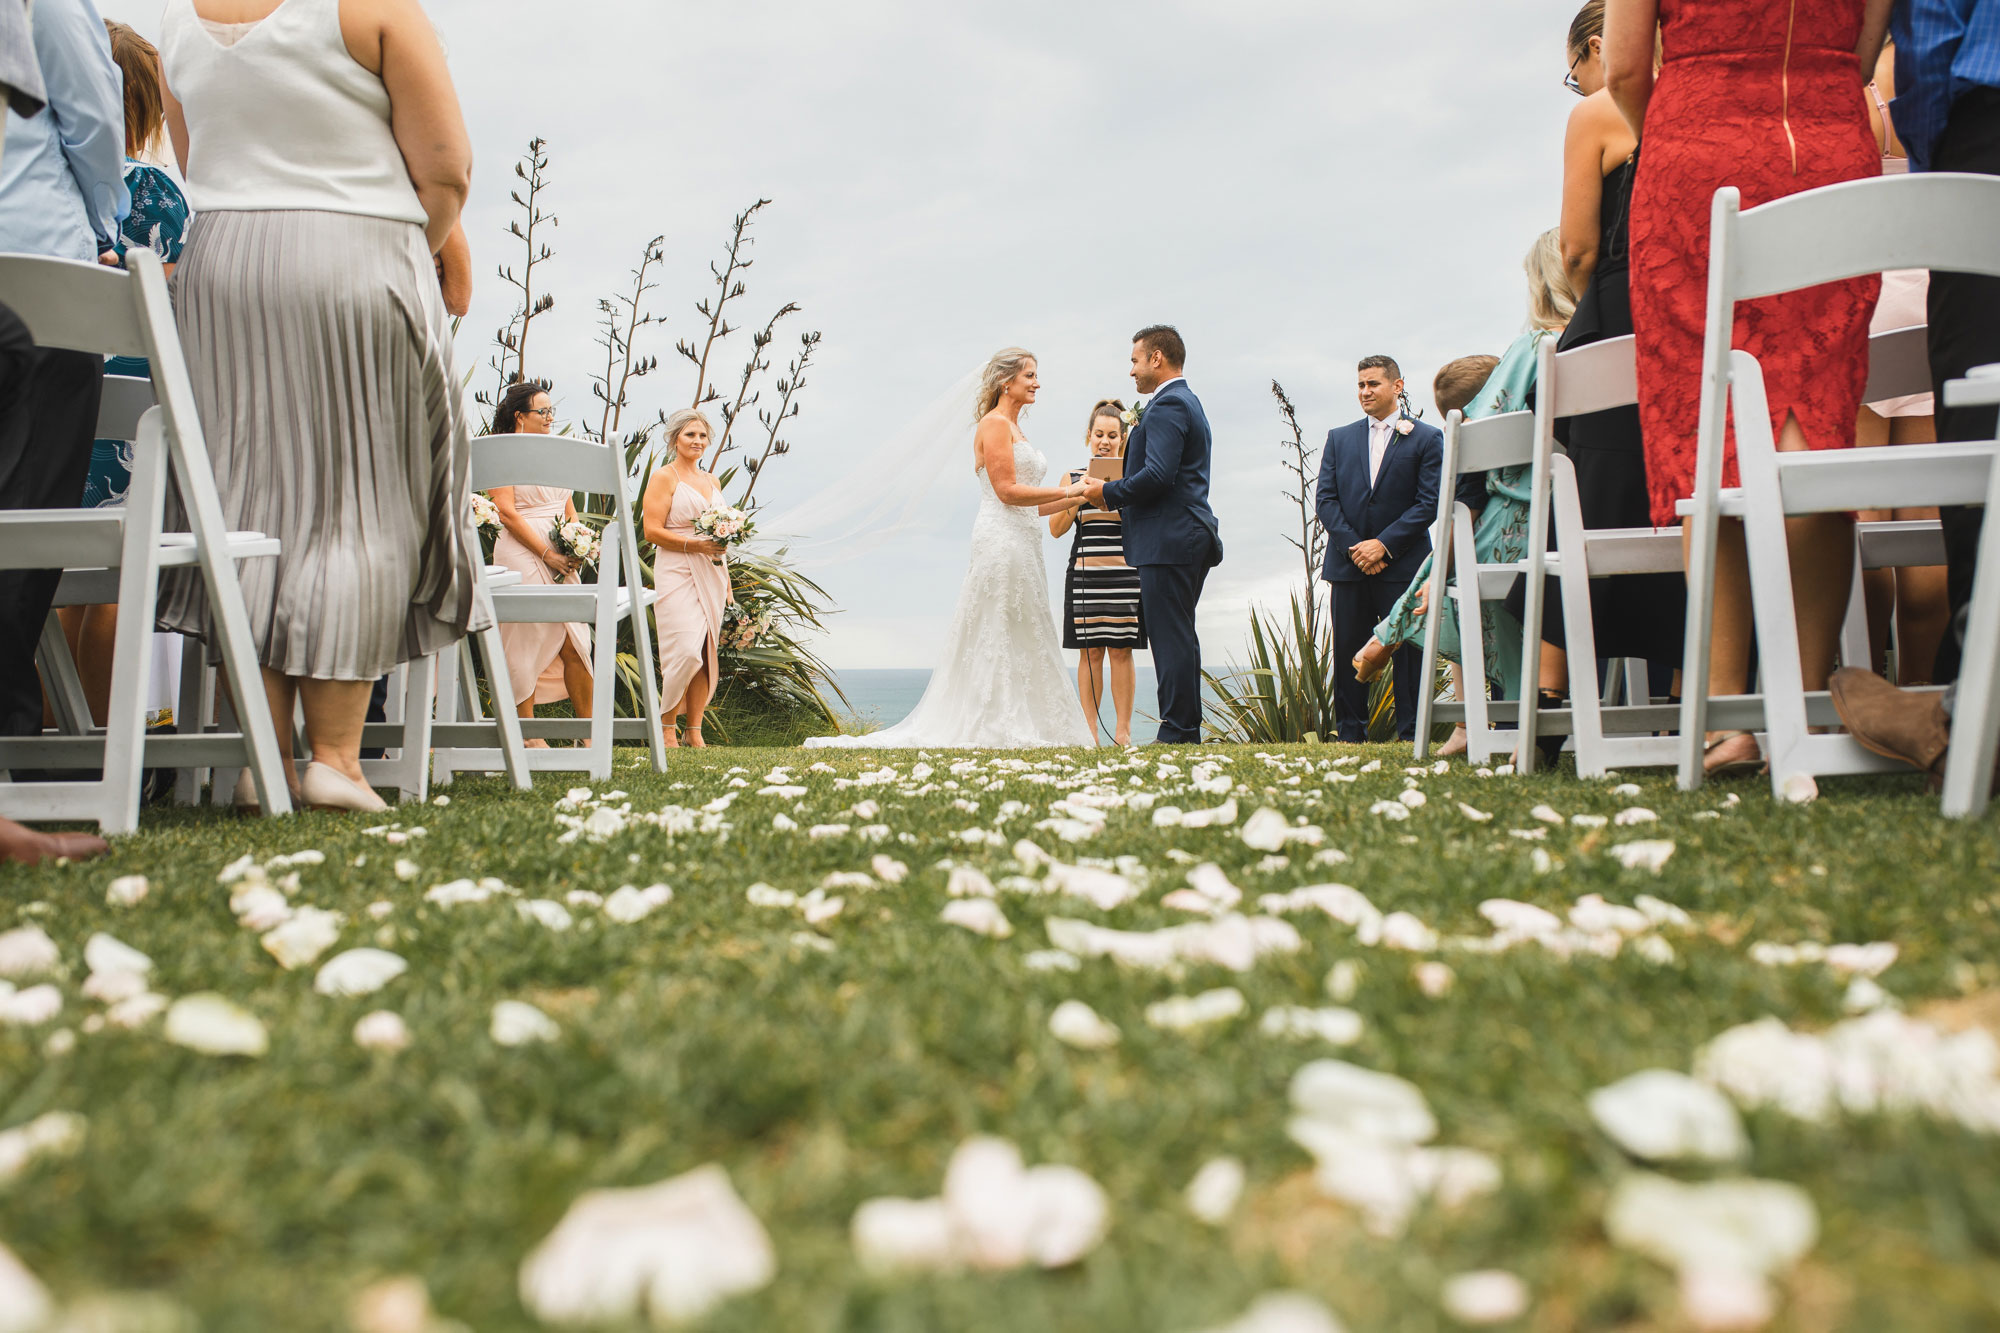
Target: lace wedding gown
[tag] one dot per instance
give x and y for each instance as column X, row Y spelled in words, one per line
column 1001, row 682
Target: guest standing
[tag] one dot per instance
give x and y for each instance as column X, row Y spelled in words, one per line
column 61, row 194
column 1947, row 113
column 545, row 663
column 1377, row 495
column 690, row 576
column 1102, row 615
column 1765, row 97
column 158, row 222
column 1912, row 598
column 327, row 163
column 1633, row 615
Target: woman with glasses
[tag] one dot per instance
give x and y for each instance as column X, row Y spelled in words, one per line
column 546, row 663
column 1637, row 615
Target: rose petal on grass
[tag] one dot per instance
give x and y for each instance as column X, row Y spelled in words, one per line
column 1052, row 960
column 102, row 953
column 1488, row 1296
column 127, row 891
column 518, row 1023
column 1662, row 1115
column 888, row 869
column 1636, row 814
column 359, row 972
column 215, row 1025
column 1283, row 1312
column 382, row 1030
column 27, row 951
column 301, row 940
column 1651, row 855
column 892, row 1236
column 1075, row 1023
column 1724, row 1237
column 1215, row 1190
column 545, row 912
column 1434, row 979
column 136, row 1011
column 25, row 1304
column 31, row 1007
column 1362, row 1101
column 676, row 1250
column 51, row 1134
column 1181, row 1013
column 1341, row 1027
column 1102, row 888
column 981, row 916
column 628, row 904
column 407, row 869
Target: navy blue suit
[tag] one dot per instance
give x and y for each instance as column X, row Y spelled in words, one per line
column 1396, row 510
column 1172, row 539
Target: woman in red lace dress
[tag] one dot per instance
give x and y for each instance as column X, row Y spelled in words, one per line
column 1764, row 95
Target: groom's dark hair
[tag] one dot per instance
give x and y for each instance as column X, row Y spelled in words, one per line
column 1386, row 364
column 1164, row 339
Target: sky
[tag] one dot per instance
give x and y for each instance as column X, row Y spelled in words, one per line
column 1294, row 184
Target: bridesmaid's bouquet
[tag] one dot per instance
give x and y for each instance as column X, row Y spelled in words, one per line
column 485, row 514
column 577, row 540
column 725, row 525
column 743, row 627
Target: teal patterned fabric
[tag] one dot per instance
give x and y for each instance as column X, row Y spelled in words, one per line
column 1499, row 535
column 158, row 222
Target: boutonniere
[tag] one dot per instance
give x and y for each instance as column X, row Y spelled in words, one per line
column 1404, row 425
column 1131, row 415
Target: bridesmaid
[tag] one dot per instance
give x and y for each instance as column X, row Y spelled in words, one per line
column 690, row 574
column 1765, row 96
column 1101, row 611
column 546, row 663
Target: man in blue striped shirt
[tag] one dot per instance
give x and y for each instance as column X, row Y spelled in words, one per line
column 1947, row 113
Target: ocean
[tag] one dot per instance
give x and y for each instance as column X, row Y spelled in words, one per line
column 886, row 697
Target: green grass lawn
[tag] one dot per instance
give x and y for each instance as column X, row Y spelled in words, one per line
column 261, row 1194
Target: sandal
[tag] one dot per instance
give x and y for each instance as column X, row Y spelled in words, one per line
column 1730, row 767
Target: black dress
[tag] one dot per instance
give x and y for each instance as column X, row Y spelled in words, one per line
column 1634, row 615
column 1100, row 591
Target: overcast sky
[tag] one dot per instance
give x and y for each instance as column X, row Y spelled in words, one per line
column 1294, row 183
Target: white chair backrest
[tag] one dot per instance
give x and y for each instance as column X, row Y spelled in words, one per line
column 126, row 399
column 76, row 306
column 547, row 460
column 1899, row 363
column 1940, row 220
column 1592, row 378
column 1506, row 440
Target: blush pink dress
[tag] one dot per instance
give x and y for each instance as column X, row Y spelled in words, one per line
column 693, row 590
column 534, row 652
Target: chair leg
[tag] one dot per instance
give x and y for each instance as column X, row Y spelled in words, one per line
column 419, row 687
column 513, row 751
column 61, row 681
column 194, row 715
column 1975, row 724
column 1854, row 647
column 449, row 686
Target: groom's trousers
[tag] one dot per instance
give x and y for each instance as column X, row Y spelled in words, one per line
column 1169, row 594
column 1358, row 606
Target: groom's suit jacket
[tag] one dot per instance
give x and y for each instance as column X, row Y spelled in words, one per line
column 1396, row 510
column 1163, row 496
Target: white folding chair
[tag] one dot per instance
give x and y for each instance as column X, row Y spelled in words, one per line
column 1480, row 445
column 1933, row 220
column 1593, row 378
column 120, row 552
column 619, row 593
column 1975, row 722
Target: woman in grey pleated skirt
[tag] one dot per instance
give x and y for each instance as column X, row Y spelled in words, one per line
column 316, row 339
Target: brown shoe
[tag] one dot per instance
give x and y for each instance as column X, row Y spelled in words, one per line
column 1896, row 724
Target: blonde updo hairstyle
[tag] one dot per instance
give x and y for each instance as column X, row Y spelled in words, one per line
column 1112, row 409
column 670, row 430
column 1551, row 300
column 999, row 373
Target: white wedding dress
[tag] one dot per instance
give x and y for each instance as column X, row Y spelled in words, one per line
column 1001, row 682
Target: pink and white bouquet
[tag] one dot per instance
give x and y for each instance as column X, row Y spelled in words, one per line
column 577, row 540
column 742, row 627
column 485, row 514
column 725, row 525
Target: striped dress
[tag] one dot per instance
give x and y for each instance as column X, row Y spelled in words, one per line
column 1100, row 591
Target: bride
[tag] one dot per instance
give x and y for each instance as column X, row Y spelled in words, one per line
column 1001, row 682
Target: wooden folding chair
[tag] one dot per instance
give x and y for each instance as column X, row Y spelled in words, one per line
column 118, row 553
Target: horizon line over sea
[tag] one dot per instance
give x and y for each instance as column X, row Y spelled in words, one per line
column 884, row 696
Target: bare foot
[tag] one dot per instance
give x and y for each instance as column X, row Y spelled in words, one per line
column 695, row 740
column 1455, row 746
column 1731, row 752
column 536, row 743
column 27, row 847
column 1123, row 740
column 669, row 737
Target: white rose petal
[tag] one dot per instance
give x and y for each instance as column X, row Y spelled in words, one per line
column 127, row 891
column 1181, row 1013
column 1390, row 810
column 136, row 1011
column 102, row 953
column 1215, row 1190
column 676, row 1249
column 969, row 882
column 1052, row 960
column 1265, row 830
column 1652, row 855
column 888, row 869
column 981, row 916
column 301, row 940
column 1362, row 1102
column 27, row 951
column 545, row 912
column 1800, row 789
column 1724, row 1237
column 628, row 904
column 1341, row 1027
column 260, row 907
column 1283, row 1312
column 25, row 1305
column 763, row 895
column 893, row 1236
column 1636, row 814
column 1661, row 1115
column 1434, row 979
column 215, row 1025
column 31, row 1007
column 407, row 869
column 517, row 1023
column 1489, row 1296
column 382, row 1030
column 359, row 972
column 1075, row 1023
column 1413, row 798
column 111, row 987
column 1545, row 814
column 1343, row 980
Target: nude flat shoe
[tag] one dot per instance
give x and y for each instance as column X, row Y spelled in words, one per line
column 327, row 788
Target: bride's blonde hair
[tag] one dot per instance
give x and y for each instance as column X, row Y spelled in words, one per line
column 999, row 373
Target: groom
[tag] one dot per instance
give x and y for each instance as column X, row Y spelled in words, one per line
column 1170, row 532
column 1377, row 496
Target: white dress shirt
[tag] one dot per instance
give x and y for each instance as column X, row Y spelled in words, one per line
column 1380, row 433
column 1162, row 388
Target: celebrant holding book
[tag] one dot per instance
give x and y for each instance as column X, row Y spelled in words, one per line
column 1102, row 616
column 690, row 576
column 545, row 663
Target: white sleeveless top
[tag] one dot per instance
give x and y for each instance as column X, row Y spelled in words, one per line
column 283, row 117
